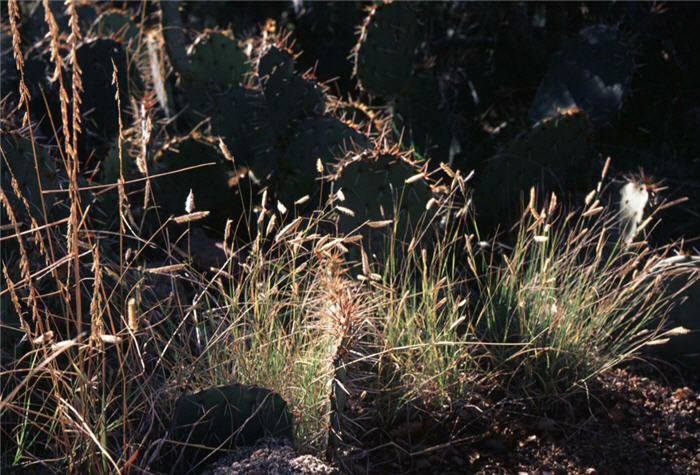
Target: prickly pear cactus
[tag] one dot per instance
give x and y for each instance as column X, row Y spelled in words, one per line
column 209, row 184
column 388, row 63
column 686, row 313
column 240, row 116
column 36, row 76
column 276, row 60
column 316, row 138
column 385, row 51
column 684, row 342
column 418, row 113
column 35, row 28
column 18, row 158
column 229, row 416
column 375, row 189
column 591, row 71
column 10, row 75
column 540, row 156
column 115, row 24
column 107, row 209
column 290, row 96
column 217, row 63
column 323, row 29
column 17, row 161
column 325, row 138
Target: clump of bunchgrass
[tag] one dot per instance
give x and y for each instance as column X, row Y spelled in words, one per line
column 422, row 301
column 569, row 300
column 287, row 320
column 83, row 389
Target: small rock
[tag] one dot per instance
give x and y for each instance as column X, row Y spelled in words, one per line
column 683, row 393
column 269, row 456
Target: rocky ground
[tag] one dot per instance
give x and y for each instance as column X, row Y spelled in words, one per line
column 642, row 421
column 269, row 456
column 637, row 419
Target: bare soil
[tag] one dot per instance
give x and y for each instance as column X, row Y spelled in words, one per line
column 637, row 419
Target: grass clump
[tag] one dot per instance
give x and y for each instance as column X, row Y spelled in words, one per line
column 569, row 300
column 285, row 322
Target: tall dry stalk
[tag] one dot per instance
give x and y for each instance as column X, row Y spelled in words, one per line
column 71, row 129
column 24, row 97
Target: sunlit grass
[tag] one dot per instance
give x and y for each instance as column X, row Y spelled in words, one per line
column 111, row 343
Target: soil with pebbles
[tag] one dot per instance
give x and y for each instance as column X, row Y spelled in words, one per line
column 637, row 419
column 642, row 422
column 269, row 457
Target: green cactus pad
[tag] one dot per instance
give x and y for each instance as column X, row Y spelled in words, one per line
column 685, row 347
column 227, row 417
column 417, row 112
column 687, row 313
column 276, row 60
column 217, row 63
column 116, row 24
column 240, row 116
column 591, row 71
column 107, row 209
column 542, row 156
column 20, row 160
column 323, row 29
column 290, row 99
column 385, row 51
column 99, row 106
column 10, row 75
column 323, row 138
column 35, row 28
column 374, row 187
column 290, row 96
column 209, row 184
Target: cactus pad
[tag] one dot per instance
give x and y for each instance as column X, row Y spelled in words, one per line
column 276, row 61
column 541, row 156
column 114, row 23
column 240, row 117
column 591, row 71
column 418, row 113
column 217, row 63
column 323, row 138
column 209, row 184
column 384, row 53
column 290, row 99
column 99, row 106
column 18, row 156
column 374, row 185
column 229, row 416
column 323, row 29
